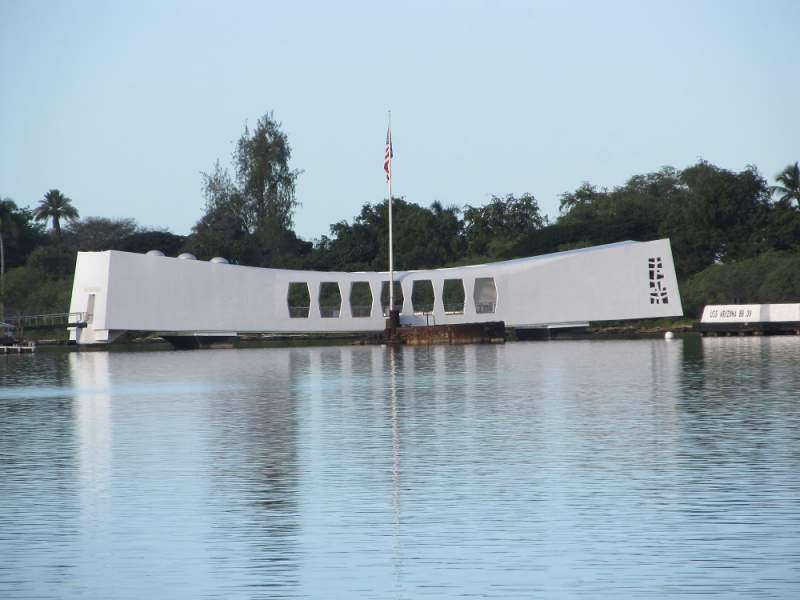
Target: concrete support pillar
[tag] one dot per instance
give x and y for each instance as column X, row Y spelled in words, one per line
column 375, row 288
column 438, row 297
column 408, row 308
column 345, row 287
column 313, row 292
column 469, row 295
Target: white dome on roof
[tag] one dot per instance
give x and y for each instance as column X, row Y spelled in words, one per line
column 187, row 256
column 219, row 260
column 155, row 253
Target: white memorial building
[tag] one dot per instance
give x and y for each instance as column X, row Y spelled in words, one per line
column 115, row 292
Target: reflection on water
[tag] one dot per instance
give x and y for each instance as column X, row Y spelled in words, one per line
column 554, row 470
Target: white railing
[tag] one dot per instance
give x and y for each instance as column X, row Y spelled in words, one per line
column 298, row 312
column 361, row 311
column 48, row 320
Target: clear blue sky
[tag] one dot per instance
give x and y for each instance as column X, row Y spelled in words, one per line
column 122, row 105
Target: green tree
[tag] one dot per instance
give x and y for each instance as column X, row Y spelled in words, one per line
column 22, row 234
column 264, row 178
column 223, row 228
column 771, row 277
column 781, row 229
column 634, row 211
column 248, row 217
column 144, row 240
column 449, row 231
column 781, row 283
column 8, row 228
column 55, row 206
column 93, row 234
column 53, row 260
column 720, row 215
column 31, row 291
column 789, row 185
column 19, row 236
column 710, row 215
column 584, row 196
column 497, row 228
column 423, row 238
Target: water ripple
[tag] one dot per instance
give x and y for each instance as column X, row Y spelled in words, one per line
column 641, row 469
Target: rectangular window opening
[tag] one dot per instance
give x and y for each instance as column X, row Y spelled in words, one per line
column 330, row 300
column 485, row 295
column 453, row 296
column 298, row 299
column 360, row 299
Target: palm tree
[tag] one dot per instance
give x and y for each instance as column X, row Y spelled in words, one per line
column 55, row 206
column 9, row 227
column 789, row 188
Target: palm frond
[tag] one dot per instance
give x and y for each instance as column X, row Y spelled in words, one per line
column 789, row 188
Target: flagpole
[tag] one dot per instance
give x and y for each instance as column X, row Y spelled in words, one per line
column 391, row 249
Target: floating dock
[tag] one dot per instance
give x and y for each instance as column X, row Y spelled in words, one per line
column 18, row 349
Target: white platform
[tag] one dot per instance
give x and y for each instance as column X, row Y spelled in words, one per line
column 751, row 313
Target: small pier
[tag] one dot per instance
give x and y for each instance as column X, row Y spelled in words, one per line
column 18, row 349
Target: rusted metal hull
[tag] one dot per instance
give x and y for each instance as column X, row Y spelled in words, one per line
column 493, row 332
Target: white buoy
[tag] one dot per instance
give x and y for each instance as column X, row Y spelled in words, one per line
column 669, row 335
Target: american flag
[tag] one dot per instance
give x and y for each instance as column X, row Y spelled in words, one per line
column 387, row 156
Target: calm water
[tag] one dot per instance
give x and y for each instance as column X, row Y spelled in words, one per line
column 624, row 469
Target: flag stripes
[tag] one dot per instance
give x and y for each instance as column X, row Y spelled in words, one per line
column 388, row 154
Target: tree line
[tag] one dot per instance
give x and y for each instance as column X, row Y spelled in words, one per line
column 735, row 238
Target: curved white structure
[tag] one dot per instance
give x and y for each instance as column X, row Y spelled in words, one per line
column 121, row 291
